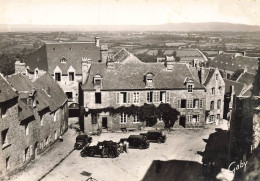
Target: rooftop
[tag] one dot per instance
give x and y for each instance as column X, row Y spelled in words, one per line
column 6, row 91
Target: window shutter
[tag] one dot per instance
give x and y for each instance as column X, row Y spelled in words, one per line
column 117, row 97
column 167, row 96
column 178, row 104
column 128, row 97
column 201, row 103
column 154, row 96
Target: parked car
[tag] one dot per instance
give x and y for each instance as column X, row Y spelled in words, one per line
column 137, row 141
column 155, row 136
column 105, row 148
column 81, row 141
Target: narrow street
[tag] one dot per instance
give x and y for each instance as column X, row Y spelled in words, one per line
column 179, row 152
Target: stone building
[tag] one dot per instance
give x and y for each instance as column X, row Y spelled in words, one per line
column 9, row 155
column 37, row 119
column 126, row 80
column 245, row 122
column 63, row 62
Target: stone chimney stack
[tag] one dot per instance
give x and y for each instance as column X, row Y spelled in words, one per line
column 231, row 93
column 97, row 41
column 169, row 62
column 20, row 67
column 202, row 75
column 85, row 66
column 110, row 64
column 104, row 53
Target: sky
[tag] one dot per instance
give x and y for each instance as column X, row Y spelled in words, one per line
column 128, row 12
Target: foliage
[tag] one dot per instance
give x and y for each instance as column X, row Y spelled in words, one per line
column 148, row 113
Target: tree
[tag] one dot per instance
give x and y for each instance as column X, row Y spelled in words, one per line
column 148, row 113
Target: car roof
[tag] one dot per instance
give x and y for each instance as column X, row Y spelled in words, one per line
column 136, row 136
column 154, row 131
column 81, row 136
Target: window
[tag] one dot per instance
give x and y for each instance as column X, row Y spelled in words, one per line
column 211, row 118
column 213, row 91
column 220, row 89
column 55, row 116
column 41, row 118
column 135, row 119
column 198, row 118
column 26, row 127
column 156, row 96
column 211, row 105
column 98, row 82
column 189, row 104
column 7, row 163
column 122, row 97
column 69, row 95
column 4, row 137
column 201, row 103
column 183, row 103
column 58, row 76
column 216, row 76
column 30, row 102
column 149, row 97
column 123, row 118
column 219, row 104
column 98, row 97
column 190, row 88
column 218, row 116
column 149, row 79
column 3, row 110
column 160, row 119
column 53, row 49
column 196, row 103
column 189, row 118
column 71, row 76
column 136, row 98
column 167, row 97
column 26, row 154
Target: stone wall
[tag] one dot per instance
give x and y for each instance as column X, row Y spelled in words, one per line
column 109, row 100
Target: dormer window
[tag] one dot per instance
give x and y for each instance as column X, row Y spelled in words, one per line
column 190, row 88
column 71, row 76
column 97, row 81
column 190, row 84
column 70, row 48
column 63, row 60
column 30, row 102
column 53, row 49
column 213, row 91
column 149, row 79
column 216, row 76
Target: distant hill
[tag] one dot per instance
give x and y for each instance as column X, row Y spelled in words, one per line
column 212, row 26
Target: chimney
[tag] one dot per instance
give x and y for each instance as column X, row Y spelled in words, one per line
column 104, row 53
column 110, row 64
column 19, row 67
column 85, row 65
column 202, row 75
column 169, row 62
column 47, row 90
column 231, row 93
column 97, row 41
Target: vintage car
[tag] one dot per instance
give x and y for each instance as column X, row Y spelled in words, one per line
column 155, row 136
column 137, row 141
column 81, row 141
column 105, row 148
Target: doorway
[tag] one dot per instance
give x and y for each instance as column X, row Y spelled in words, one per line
column 104, row 122
column 182, row 121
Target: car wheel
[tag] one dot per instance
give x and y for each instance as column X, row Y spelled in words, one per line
column 83, row 154
column 111, row 154
column 140, row 146
column 159, row 140
column 91, row 153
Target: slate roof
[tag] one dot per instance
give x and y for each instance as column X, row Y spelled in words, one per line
column 124, row 56
column 246, row 78
column 238, row 87
column 131, row 76
column 6, row 91
column 187, row 53
column 23, row 83
column 227, row 61
column 168, row 52
column 49, row 56
column 57, row 97
column 208, row 73
column 24, row 111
